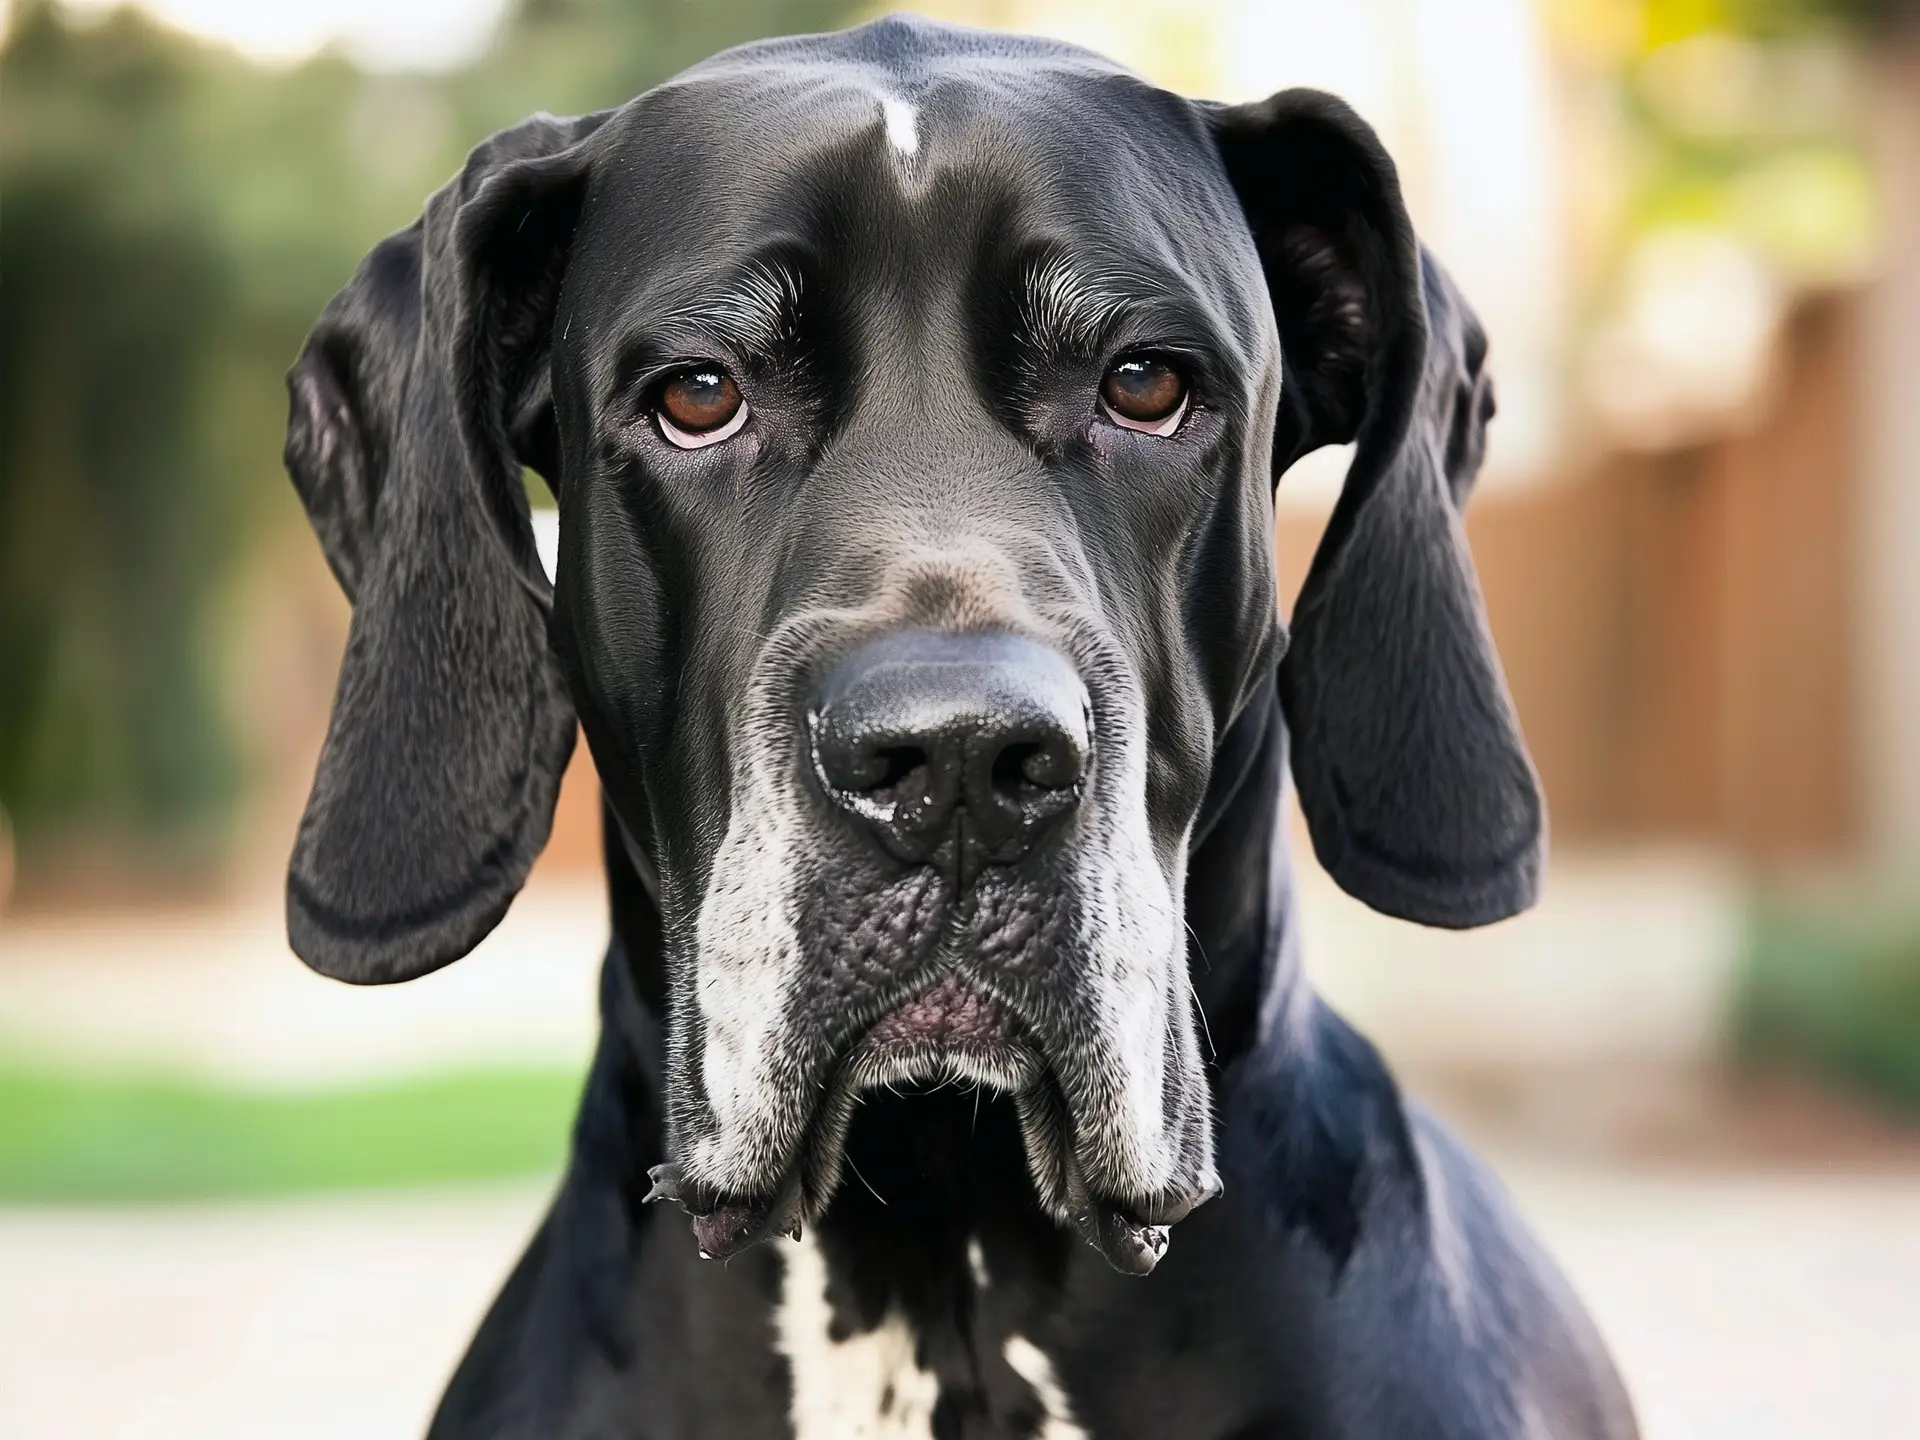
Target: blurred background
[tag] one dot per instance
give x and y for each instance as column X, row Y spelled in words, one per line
column 237, row 1200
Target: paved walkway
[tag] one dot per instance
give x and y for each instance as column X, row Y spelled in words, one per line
column 1747, row 1307
column 334, row 1320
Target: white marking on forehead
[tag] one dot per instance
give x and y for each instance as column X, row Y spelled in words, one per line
column 866, row 1387
column 903, row 124
column 1031, row 1364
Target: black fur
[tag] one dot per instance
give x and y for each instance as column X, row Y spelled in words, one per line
column 925, row 451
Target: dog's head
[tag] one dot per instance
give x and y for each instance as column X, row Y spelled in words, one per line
column 913, row 400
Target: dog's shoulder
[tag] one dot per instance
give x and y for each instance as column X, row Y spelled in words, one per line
column 1429, row 1308
column 1493, row 1293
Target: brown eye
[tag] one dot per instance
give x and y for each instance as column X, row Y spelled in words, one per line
column 700, row 406
column 1143, row 392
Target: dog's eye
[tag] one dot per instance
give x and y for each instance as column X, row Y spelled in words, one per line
column 1145, row 393
column 699, row 406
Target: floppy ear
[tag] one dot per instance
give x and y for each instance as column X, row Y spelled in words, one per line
column 418, row 395
column 1417, row 788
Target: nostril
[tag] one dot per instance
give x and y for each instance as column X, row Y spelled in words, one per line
column 895, row 768
column 1027, row 766
column 1010, row 767
column 868, row 770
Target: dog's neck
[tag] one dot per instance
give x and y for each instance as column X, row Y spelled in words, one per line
column 1245, row 961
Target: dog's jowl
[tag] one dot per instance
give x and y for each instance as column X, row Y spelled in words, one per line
column 913, row 399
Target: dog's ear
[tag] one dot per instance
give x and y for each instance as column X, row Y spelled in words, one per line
column 1415, row 782
column 419, row 394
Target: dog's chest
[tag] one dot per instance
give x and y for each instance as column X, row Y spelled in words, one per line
column 891, row 1380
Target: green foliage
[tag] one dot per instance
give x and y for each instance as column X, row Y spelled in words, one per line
column 85, row 1138
column 1836, row 987
column 175, row 217
column 161, row 259
column 110, row 291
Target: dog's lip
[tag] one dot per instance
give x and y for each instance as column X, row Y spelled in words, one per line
column 723, row 1227
column 948, row 1018
column 1129, row 1241
column 948, row 1014
column 951, row 1015
column 1133, row 1238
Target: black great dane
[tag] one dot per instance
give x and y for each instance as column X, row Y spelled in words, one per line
column 914, row 398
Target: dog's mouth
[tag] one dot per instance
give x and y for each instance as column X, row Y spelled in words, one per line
column 950, row 1033
column 950, row 1015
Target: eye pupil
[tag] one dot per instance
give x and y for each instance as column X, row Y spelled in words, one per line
column 703, row 398
column 1143, row 388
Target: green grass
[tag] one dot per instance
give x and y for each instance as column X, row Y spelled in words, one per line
column 1835, row 987
column 75, row 1136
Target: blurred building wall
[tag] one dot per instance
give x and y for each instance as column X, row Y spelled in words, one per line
column 1677, row 627
column 1889, row 578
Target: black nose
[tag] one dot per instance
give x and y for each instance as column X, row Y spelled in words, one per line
column 978, row 742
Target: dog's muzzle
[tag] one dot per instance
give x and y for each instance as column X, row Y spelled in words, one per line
column 949, row 1029
column 990, row 916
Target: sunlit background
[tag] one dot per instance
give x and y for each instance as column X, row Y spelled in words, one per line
column 236, row 1200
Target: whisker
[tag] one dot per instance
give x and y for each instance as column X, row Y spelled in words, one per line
column 1201, row 1011
column 864, row 1181
column 1196, row 943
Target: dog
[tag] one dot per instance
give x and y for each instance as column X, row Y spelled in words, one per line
column 913, row 398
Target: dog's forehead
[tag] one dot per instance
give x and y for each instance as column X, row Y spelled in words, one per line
column 819, row 141
column 920, row 80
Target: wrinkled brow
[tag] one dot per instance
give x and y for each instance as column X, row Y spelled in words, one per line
column 1065, row 311
column 756, row 311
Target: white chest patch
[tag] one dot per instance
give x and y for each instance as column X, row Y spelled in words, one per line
column 869, row 1387
column 1030, row 1363
column 866, row 1387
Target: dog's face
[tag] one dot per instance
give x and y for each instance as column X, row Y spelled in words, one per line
column 944, row 458
column 912, row 399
